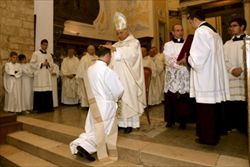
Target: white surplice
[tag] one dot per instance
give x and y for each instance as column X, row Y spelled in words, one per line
column 208, row 76
column 86, row 61
column 55, row 74
column 27, row 87
column 107, row 89
column 127, row 63
column 69, row 86
column 177, row 77
column 42, row 75
column 233, row 51
column 12, row 85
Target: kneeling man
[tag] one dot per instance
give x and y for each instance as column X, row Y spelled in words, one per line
column 104, row 90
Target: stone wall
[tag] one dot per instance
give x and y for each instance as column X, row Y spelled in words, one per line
column 16, row 32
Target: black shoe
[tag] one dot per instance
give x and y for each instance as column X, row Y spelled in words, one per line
column 120, row 128
column 83, row 153
column 128, row 130
column 182, row 126
column 169, row 125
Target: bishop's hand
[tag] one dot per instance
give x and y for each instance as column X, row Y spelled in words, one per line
column 109, row 46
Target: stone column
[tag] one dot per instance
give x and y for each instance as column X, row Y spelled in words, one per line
column 44, row 22
column 247, row 14
column 247, row 65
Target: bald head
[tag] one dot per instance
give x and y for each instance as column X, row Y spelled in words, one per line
column 177, row 31
column 91, row 49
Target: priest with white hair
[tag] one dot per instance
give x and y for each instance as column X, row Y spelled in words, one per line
column 81, row 75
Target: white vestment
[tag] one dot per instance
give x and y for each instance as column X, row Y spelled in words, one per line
column 69, row 86
column 161, row 60
column 155, row 89
column 86, row 61
column 177, row 77
column 148, row 62
column 208, row 76
column 106, row 88
column 27, row 87
column 233, row 51
column 127, row 63
column 12, row 85
column 42, row 74
column 55, row 74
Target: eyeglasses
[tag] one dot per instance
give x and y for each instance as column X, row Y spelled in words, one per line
column 234, row 25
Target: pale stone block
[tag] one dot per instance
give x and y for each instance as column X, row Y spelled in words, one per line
column 21, row 40
column 3, row 4
column 12, row 22
column 16, row 39
column 160, row 153
column 22, row 158
column 13, row 46
column 9, row 30
column 26, row 49
column 229, row 161
column 28, row 25
column 27, row 11
column 29, row 18
column 4, row 54
column 24, row 32
column 3, row 39
column 129, row 149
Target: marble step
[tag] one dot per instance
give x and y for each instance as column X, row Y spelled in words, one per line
column 13, row 157
column 51, row 130
column 135, row 151
column 55, row 152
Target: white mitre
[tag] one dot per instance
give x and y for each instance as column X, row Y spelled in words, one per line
column 120, row 21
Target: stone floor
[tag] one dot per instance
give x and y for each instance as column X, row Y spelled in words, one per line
column 234, row 144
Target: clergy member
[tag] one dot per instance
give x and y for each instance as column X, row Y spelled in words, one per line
column 68, row 70
column 208, row 78
column 147, row 61
column 42, row 64
column 12, row 85
column 236, row 108
column 127, row 63
column 27, row 84
column 155, row 88
column 87, row 60
column 55, row 74
column 101, row 123
column 177, row 102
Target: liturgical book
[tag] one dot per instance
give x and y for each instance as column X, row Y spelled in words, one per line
column 186, row 47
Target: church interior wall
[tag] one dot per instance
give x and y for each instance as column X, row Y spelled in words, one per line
column 147, row 19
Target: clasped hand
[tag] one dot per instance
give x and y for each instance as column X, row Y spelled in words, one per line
column 237, row 71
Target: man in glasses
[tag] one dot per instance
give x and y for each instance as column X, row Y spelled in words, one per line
column 236, row 108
